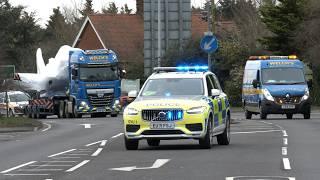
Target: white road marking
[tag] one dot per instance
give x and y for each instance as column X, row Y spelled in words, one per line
column 103, row 143
column 97, row 142
column 48, row 179
column 78, row 166
column 115, row 136
column 36, row 170
column 97, row 152
column 254, row 132
column 26, row 174
column 267, row 122
column 17, row 167
column 157, row 164
column 285, row 141
column 284, row 151
column 65, row 157
column 260, row 177
column 87, row 126
column 284, row 133
column 286, row 163
column 58, row 161
column 53, row 155
column 77, row 154
column 48, row 127
column 49, row 165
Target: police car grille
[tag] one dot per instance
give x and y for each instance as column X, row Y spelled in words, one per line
column 170, row 114
column 96, row 101
column 290, row 100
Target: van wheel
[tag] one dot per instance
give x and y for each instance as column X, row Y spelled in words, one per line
column 224, row 138
column 248, row 114
column 289, row 116
column 131, row 144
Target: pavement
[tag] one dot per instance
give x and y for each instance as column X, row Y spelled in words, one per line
column 93, row 148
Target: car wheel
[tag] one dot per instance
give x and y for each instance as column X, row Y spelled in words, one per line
column 224, row 138
column 289, row 116
column 113, row 115
column 153, row 142
column 248, row 114
column 131, row 144
column 205, row 142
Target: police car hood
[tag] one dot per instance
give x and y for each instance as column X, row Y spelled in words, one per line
column 180, row 102
column 282, row 90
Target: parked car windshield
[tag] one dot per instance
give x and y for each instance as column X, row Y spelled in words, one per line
column 18, row 97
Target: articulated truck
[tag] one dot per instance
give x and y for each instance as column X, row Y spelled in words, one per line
column 89, row 83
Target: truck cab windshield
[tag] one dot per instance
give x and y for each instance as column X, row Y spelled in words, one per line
column 283, row 76
column 93, row 74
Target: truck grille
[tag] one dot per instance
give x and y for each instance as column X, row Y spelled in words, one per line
column 290, row 100
column 102, row 101
column 162, row 115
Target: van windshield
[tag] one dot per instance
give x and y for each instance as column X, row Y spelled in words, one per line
column 283, row 76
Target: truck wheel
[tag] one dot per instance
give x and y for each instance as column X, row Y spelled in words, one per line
column 131, row 144
column 248, row 114
column 289, row 116
column 224, row 138
column 67, row 114
column 38, row 113
column 205, row 142
column 306, row 115
column 33, row 115
column 153, row 142
column 61, row 109
column 113, row 115
column 263, row 115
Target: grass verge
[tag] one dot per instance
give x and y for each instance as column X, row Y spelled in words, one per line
column 19, row 122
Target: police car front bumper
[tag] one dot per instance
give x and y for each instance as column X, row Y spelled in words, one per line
column 153, row 134
column 270, row 107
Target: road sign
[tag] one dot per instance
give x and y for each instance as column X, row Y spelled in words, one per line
column 7, row 72
column 209, row 43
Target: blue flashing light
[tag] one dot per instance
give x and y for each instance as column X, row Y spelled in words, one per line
column 192, row 68
column 169, row 115
column 179, row 115
column 167, row 94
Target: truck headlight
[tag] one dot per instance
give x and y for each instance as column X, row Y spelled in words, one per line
column 131, row 111
column 306, row 94
column 267, row 94
column 196, row 110
column 83, row 104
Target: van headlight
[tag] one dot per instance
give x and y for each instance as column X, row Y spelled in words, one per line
column 196, row 110
column 131, row 111
column 267, row 95
column 306, row 94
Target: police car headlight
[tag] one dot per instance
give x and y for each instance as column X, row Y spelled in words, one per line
column 131, row 111
column 306, row 94
column 267, row 95
column 196, row 110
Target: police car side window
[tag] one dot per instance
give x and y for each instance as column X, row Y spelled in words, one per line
column 215, row 82
column 209, row 85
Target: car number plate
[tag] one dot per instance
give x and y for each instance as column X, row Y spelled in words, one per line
column 288, row 106
column 162, row 125
column 101, row 110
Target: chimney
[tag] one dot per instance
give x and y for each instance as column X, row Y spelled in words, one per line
column 139, row 6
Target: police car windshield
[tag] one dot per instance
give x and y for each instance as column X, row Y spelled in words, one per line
column 92, row 74
column 283, row 76
column 173, row 87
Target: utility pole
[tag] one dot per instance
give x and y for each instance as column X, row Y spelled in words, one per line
column 159, row 33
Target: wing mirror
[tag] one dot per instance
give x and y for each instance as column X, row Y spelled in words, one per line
column 215, row 92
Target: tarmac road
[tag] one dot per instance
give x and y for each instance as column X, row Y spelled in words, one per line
column 275, row 148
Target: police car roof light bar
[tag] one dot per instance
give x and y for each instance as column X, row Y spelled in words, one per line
column 181, row 69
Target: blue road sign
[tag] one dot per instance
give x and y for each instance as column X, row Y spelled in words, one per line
column 209, row 43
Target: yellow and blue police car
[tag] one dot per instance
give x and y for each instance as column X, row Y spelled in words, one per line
column 178, row 103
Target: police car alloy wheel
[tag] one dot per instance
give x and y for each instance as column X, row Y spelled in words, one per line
column 206, row 141
column 224, row 138
column 131, row 144
column 248, row 114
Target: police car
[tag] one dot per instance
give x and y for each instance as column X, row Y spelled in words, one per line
column 178, row 103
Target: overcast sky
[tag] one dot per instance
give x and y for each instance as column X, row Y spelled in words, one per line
column 43, row 8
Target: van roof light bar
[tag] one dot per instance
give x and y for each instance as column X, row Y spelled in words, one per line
column 291, row 57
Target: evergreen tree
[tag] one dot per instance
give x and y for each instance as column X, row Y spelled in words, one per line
column 282, row 19
column 111, row 9
column 87, row 9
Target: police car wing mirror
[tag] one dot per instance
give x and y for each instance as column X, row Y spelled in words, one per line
column 215, row 92
column 255, row 83
column 132, row 94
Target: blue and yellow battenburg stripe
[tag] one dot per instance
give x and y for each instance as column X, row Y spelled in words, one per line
column 220, row 107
